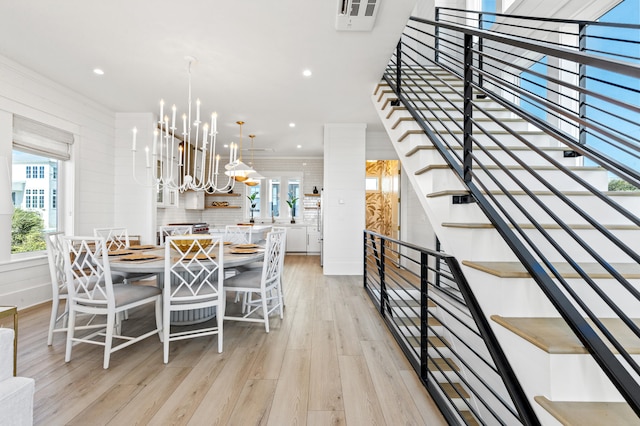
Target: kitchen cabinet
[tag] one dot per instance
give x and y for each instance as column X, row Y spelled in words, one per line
column 296, row 239
column 194, row 200
column 313, row 240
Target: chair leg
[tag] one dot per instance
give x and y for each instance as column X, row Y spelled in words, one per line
column 70, row 330
column 280, row 301
column 220, row 319
column 166, row 313
column 159, row 323
column 54, row 317
column 108, row 340
column 265, row 312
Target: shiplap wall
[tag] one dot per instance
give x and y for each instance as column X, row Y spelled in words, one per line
column 25, row 282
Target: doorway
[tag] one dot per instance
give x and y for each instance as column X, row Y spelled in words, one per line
column 383, row 197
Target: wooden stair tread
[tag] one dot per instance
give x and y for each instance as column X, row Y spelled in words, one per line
column 469, row 418
column 589, row 413
column 441, row 364
column 478, row 225
column 517, row 270
column 454, row 390
column 554, row 336
column 415, row 321
column 434, row 341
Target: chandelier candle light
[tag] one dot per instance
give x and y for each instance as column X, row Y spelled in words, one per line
column 188, row 161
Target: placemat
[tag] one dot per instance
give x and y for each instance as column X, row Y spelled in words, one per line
column 138, row 257
column 246, row 246
column 145, row 247
column 243, row 250
column 199, row 256
column 119, row 252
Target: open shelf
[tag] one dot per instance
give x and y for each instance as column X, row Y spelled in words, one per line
column 222, row 207
column 225, row 194
column 311, row 195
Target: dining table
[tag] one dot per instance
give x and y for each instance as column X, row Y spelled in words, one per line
column 151, row 261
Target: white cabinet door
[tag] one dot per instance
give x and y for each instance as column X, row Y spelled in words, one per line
column 297, row 239
column 313, row 240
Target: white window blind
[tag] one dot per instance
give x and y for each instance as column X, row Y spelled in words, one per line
column 41, row 139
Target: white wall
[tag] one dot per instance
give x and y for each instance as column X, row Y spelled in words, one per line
column 90, row 202
column 344, row 198
column 134, row 196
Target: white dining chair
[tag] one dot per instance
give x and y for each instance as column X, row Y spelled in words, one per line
column 263, row 283
column 238, row 234
column 91, row 291
column 193, row 279
column 59, row 292
column 58, row 321
column 115, row 238
column 169, row 230
column 118, row 239
column 258, row 265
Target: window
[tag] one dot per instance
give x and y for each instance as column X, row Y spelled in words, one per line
column 273, row 193
column 34, row 212
column 38, row 152
column 371, row 184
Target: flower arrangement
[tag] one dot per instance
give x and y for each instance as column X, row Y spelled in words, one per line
column 292, row 205
column 252, row 200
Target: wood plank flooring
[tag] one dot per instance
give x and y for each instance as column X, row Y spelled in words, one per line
column 330, row 361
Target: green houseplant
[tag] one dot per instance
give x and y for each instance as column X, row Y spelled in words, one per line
column 252, row 200
column 292, row 205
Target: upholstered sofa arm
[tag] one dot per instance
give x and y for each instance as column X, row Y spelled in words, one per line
column 16, row 393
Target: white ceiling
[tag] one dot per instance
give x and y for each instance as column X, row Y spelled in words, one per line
column 251, row 54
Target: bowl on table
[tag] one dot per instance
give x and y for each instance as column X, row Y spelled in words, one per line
column 185, row 245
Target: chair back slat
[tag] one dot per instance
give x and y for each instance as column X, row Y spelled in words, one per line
column 238, row 234
column 55, row 255
column 273, row 257
column 115, row 238
column 169, row 230
column 87, row 270
column 194, row 267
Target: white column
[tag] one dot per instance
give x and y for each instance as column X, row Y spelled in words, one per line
column 135, row 204
column 344, row 198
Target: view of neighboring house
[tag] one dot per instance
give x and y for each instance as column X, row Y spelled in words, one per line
column 35, row 186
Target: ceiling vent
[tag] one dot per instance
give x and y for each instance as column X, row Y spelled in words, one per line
column 357, row 15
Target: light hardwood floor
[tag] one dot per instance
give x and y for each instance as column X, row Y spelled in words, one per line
column 331, row 361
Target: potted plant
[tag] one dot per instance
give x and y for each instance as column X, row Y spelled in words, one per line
column 252, row 200
column 292, row 205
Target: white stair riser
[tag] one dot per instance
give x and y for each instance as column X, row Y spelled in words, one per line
column 487, row 242
column 594, row 207
column 559, row 377
column 557, row 178
column 432, row 156
column 526, row 299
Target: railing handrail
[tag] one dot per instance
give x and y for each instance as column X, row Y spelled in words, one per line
column 601, row 62
column 544, row 19
column 550, row 281
column 502, row 365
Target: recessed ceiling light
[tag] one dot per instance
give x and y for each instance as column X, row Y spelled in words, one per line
column 98, row 71
column 292, row 124
column 226, row 145
column 306, row 73
column 299, row 146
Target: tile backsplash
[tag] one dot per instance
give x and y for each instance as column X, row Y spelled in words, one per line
column 312, row 168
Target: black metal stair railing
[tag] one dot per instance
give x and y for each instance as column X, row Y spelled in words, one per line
column 539, row 203
column 447, row 339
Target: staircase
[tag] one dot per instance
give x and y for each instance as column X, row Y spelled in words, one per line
column 559, row 376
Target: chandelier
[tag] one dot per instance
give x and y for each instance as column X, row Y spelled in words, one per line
column 189, row 160
column 254, row 178
column 238, row 170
